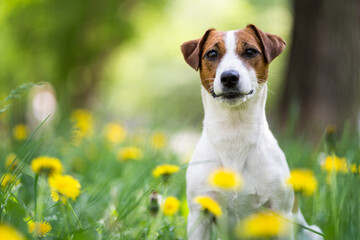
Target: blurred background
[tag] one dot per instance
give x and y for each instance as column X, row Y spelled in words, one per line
column 121, row 59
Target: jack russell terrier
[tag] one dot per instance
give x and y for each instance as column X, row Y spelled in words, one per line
column 233, row 70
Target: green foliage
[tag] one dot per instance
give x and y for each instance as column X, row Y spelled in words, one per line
column 115, row 198
column 16, row 94
column 115, row 194
column 62, row 42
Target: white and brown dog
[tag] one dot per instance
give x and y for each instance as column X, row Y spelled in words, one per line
column 233, row 70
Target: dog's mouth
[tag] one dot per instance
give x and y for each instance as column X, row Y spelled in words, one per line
column 232, row 95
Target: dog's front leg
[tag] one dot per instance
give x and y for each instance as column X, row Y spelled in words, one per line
column 198, row 227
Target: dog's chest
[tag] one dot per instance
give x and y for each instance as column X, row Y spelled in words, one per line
column 234, row 145
column 261, row 163
column 261, row 188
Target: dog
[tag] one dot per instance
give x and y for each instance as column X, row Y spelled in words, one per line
column 234, row 70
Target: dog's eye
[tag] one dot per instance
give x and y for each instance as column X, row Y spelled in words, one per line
column 212, row 54
column 250, row 52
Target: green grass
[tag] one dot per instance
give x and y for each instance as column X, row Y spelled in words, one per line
column 115, row 198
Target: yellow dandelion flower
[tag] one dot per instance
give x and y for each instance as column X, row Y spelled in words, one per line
column 331, row 129
column 39, row 229
column 130, row 153
column 83, row 125
column 20, row 132
column 303, row 181
column 171, row 206
column 64, row 187
column 225, row 179
column 165, row 170
column 209, row 205
column 46, row 165
column 10, row 161
column 9, row 233
column 261, row 225
column 115, row 133
column 158, row 140
column 8, row 179
column 354, row 168
column 334, row 163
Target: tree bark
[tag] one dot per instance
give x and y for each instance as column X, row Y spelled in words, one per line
column 323, row 75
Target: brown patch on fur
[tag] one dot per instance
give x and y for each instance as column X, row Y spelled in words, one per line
column 194, row 52
column 215, row 41
column 246, row 39
column 268, row 45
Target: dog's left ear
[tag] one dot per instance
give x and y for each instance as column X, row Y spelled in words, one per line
column 192, row 50
column 273, row 45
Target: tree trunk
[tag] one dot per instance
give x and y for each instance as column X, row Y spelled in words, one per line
column 323, row 74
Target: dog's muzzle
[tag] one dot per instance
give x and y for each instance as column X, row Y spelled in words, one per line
column 230, row 86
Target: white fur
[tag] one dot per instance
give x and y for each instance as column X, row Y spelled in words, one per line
column 237, row 136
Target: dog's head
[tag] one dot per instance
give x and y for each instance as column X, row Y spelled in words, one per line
column 233, row 64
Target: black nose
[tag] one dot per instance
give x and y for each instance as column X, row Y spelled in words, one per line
column 230, row 78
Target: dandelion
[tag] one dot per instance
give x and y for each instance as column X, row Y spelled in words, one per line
column 165, row 170
column 20, row 132
column 260, row 225
column 115, row 133
column 354, row 168
column 46, row 165
column 171, row 206
column 334, row 163
column 303, row 181
column 209, row 205
column 9, row 233
column 225, row 179
column 154, row 203
column 10, row 161
column 130, row 153
column 83, row 125
column 158, row 140
column 64, row 187
column 39, row 229
column 330, row 137
column 8, row 179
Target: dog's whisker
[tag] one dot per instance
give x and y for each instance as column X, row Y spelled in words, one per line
column 208, row 79
column 208, row 85
column 271, row 91
column 273, row 73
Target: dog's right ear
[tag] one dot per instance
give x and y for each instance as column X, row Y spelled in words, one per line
column 192, row 50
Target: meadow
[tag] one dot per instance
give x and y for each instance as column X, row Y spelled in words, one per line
column 109, row 162
column 93, row 178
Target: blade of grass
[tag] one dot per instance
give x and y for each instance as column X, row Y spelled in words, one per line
column 295, row 223
column 21, row 165
column 73, row 212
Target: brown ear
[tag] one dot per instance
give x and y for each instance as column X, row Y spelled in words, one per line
column 192, row 50
column 273, row 45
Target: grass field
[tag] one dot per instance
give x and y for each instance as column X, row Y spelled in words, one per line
column 119, row 196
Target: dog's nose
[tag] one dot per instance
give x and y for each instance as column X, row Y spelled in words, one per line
column 229, row 78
